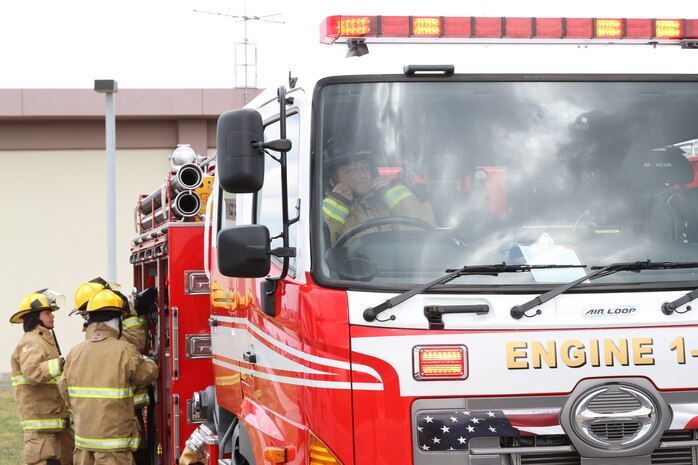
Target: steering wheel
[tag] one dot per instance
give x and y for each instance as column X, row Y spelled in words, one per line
column 377, row 222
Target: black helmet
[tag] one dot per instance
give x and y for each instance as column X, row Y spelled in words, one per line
column 335, row 158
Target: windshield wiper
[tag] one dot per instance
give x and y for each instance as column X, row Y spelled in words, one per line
column 670, row 307
column 371, row 313
column 519, row 311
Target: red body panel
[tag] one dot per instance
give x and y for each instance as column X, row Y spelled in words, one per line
column 310, row 329
column 192, row 374
column 181, row 314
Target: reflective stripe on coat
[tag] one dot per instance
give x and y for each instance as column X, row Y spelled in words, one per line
column 35, row 366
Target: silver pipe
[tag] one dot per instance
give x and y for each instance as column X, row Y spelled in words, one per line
column 188, row 177
column 159, row 231
column 160, row 217
column 186, row 204
column 153, row 200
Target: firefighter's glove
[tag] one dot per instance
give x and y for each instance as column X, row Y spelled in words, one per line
column 146, row 301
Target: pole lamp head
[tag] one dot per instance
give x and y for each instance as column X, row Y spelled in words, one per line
column 106, row 86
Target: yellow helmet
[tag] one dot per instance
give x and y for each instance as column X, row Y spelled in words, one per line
column 83, row 294
column 106, row 301
column 105, row 283
column 34, row 302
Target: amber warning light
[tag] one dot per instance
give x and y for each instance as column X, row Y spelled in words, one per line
column 512, row 29
column 440, row 362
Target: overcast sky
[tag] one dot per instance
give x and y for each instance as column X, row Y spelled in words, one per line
column 164, row 43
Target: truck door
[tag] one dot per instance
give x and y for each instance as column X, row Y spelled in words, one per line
column 269, row 203
column 190, row 340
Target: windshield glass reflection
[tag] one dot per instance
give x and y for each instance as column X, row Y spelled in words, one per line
column 419, row 177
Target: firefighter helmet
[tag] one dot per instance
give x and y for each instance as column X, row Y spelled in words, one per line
column 108, row 284
column 83, row 294
column 335, row 158
column 106, row 300
column 34, row 302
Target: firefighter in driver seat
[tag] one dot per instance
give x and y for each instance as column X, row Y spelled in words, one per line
column 36, row 365
column 357, row 194
column 98, row 382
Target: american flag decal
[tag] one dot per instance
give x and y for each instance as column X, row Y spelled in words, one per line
column 451, row 430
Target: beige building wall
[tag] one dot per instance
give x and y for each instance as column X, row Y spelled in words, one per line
column 53, row 230
column 52, row 184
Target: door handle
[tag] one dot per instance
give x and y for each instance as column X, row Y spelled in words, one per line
column 249, row 357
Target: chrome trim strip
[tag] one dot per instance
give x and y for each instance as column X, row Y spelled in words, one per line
column 559, row 449
column 520, row 450
column 677, row 444
column 175, row 343
column 175, row 407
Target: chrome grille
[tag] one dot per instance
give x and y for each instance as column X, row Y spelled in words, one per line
column 545, row 459
column 614, row 402
column 683, row 456
column 615, row 430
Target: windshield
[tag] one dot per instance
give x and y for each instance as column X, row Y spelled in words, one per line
column 418, row 177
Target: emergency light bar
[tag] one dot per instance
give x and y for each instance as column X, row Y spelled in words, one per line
column 521, row 30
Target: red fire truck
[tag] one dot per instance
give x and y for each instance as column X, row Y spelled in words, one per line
column 539, row 312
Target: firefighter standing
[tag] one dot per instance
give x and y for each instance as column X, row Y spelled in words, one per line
column 135, row 332
column 36, row 365
column 98, row 382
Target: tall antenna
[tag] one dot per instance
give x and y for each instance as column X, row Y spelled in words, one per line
column 244, row 19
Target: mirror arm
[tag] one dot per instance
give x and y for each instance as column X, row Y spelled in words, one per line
column 278, row 145
column 283, row 252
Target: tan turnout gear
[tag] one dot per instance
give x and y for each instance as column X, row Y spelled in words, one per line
column 88, row 457
column 341, row 214
column 100, row 377
column 134, row 331
column 356, row 193
column 36, row 366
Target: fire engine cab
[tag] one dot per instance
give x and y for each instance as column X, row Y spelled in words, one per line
column 511, row 280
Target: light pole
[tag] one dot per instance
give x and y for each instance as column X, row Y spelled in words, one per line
column 110, row 87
